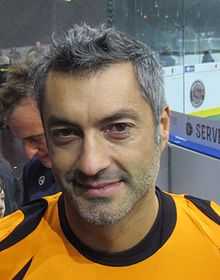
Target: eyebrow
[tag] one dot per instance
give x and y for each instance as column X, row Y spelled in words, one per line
column 56, row 121
column 38, row 136
column 114, row 116
column 121, row 114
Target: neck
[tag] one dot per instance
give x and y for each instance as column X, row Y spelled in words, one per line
column 120, row 236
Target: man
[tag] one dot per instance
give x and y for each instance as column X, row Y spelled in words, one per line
column 21, row 115
column 107, row 122
column 11, row 193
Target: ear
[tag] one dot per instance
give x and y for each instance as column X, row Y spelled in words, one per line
column 164, row 127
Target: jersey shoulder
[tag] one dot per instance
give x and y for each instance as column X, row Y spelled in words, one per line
column 202, row 214
column 202, row 207
column 21, row 223
column 209, row 208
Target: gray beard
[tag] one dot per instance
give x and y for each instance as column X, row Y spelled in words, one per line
column 104, row 211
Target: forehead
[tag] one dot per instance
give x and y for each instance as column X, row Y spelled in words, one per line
column 88, row 97
column 24, row 121
column 27, row 106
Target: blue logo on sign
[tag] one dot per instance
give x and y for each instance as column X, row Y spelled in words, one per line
column 189, row 68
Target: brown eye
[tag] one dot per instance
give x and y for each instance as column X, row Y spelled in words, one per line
column 118, row 130
column 64, row 135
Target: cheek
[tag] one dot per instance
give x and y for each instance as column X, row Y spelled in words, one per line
column 138, row 159
column 143, row 157
column 63, row 160
column 140, row 149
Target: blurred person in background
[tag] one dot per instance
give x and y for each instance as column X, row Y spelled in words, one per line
column 166, row 58
column 20, row 113
column 14, row 55
column 207, row 57
column 10, row 190
column 35, row 53
column 4, row 59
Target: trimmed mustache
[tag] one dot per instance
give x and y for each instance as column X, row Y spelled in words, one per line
column 77, row 177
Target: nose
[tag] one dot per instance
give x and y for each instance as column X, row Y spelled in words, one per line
column 94, row 157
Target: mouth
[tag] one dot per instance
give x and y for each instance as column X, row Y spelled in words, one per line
column 45, row 160
column 102, row 189
column 44, row 157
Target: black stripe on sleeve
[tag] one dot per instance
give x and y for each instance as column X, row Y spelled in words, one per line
column 20, row 275
column 205, row 207
column 33, row 213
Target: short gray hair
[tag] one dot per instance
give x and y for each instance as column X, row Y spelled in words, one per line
column 86, row 50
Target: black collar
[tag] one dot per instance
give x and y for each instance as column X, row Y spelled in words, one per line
column 153, row 241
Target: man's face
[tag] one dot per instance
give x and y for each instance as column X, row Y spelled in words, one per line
column 101, row 138
column 25, row 124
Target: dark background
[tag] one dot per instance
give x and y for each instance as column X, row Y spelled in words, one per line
column 23, row 22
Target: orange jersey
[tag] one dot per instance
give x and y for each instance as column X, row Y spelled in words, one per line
column 184, row 243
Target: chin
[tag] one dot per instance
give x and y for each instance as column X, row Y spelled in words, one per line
column 46, row 162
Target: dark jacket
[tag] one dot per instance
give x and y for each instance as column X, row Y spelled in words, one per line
column 12, row 189
column 38, row 181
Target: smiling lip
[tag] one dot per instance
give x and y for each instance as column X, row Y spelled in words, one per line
column 104, row 189
column 44, row 159
column 46, row 156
